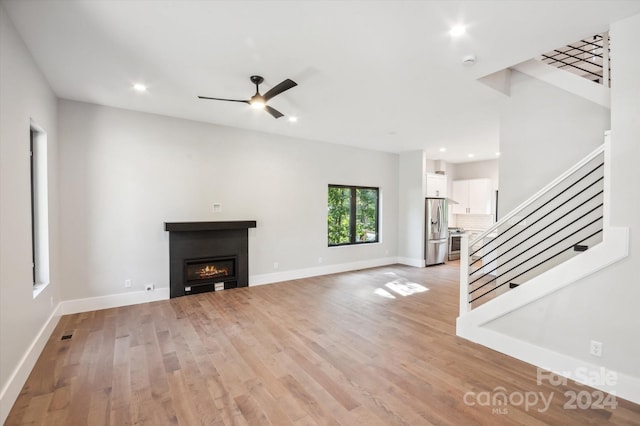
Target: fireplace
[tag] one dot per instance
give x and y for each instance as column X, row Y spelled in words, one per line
column 208, row 256
column 212, row 269
column 209, row 274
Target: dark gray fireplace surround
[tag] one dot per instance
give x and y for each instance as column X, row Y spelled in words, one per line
column 207, row 243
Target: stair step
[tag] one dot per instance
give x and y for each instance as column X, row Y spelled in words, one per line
column 580, row 247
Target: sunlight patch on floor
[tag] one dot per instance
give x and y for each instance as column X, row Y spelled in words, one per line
column 384, row 293
column 400, row 288
column 406, row 289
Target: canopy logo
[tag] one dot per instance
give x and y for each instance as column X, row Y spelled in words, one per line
column 500, row 400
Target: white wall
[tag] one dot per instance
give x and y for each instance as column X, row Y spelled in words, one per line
column 123, row 174
column 543, row 131
column 24, row 95
column 411, row 208
column 603, row 307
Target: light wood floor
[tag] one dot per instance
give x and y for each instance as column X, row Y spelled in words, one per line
column 327, row 350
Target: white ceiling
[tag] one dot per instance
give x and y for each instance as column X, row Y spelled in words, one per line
column 383, row 75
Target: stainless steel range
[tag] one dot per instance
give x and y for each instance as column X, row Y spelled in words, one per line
column 455, row 236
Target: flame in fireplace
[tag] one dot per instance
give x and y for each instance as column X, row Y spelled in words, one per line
column 212, row 271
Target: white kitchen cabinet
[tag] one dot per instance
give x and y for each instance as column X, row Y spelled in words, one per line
column 436, row 185
column 473, row 196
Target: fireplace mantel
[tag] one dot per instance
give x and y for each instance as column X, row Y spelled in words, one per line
column 208, row 226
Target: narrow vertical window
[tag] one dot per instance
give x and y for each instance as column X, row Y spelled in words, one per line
column 32, row 136
column 352, row 215
column 39, row 207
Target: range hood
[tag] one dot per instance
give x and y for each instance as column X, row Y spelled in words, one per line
column 441, row 169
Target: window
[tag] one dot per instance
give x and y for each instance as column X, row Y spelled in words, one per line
column 39, row 208
column 352, row 215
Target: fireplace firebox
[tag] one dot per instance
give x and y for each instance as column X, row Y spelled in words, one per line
column 212, row 269
column 208, row 256
column 209, row 274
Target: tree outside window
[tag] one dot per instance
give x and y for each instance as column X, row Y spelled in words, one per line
column 352, row 215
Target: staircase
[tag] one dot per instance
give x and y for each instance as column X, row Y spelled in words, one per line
column 554, row 239
column 564, row 219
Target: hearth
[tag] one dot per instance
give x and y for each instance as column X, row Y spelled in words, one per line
column 208, row 256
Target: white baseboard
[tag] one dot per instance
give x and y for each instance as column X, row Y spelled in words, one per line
column 12, row 388
column 410, row 261
column 624, row 386
column 75, row 306
column 318, row 270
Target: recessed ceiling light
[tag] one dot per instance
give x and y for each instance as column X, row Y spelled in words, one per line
column 470, row 155
column 139, row 87
column 457, row 30
column 293, row 119
column 443, row 149
column 498, row 153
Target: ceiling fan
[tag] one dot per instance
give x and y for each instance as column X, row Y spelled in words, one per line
column 259, row 101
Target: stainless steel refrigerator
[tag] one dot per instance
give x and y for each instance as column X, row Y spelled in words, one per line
column 436, row 228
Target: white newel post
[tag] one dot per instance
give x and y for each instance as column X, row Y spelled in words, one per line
column 464, row 274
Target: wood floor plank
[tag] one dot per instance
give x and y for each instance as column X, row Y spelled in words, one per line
column 307, row 402
column 356, row 348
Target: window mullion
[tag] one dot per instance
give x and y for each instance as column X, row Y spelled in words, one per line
column 352, row 216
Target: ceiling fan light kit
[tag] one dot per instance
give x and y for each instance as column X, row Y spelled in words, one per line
column 259, row 101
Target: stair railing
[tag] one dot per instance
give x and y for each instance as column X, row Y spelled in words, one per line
column 558, row 222
column 588, row 58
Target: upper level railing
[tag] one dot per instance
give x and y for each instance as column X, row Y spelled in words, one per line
column 588, row 58
column 558, row 222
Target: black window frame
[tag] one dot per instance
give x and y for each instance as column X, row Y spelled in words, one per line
column 353, row 215
column 32, row 166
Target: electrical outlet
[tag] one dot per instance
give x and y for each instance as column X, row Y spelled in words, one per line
column 596, row 348
column 319, row 260
column 127, row 283
column 275, row 265
column 216, row 208
column 149, row 287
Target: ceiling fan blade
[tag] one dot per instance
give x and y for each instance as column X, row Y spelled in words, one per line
column 222, row 99
column 276, row 90
column 274, row 112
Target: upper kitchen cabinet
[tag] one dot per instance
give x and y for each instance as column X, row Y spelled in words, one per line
column 473, row 196
column 436, row 185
